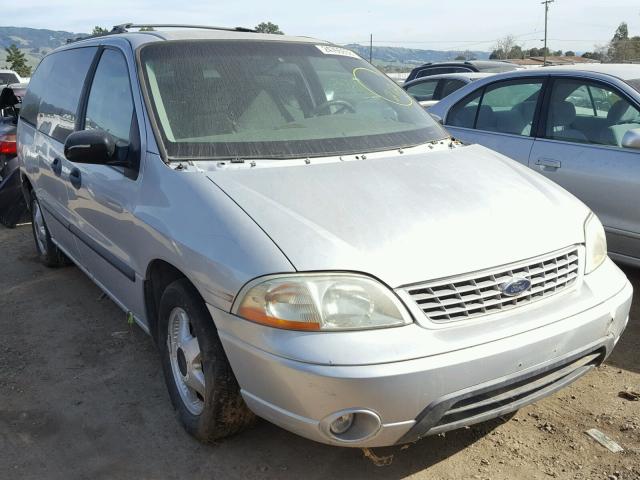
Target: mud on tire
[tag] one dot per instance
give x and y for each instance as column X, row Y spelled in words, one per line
column 222, row 410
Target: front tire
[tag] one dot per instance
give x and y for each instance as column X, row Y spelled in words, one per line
column 201, row 384
column 48, row 252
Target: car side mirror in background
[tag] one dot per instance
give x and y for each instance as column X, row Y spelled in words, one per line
column 90, row 146
column 8, row 98
column 631, row 139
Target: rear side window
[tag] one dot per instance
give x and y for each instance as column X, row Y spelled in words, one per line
column 52, row 99
column 423, row 91
column 505, row 107
column 33, row 97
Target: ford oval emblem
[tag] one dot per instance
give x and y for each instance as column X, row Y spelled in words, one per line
column 515, row 286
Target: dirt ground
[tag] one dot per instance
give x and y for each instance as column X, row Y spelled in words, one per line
column 82, row 397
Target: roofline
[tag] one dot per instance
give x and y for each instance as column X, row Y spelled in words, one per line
column 124, row 28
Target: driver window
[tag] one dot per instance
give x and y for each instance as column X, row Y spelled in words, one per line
column 110, row 104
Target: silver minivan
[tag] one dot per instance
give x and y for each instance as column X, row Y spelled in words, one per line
column 304, row 243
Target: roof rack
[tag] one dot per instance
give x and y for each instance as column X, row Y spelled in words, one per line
column 124, row 28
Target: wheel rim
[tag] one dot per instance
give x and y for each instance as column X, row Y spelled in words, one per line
column 186, row 361
column 39, row 228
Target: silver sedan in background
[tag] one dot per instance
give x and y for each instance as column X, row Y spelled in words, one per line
column 577, row 125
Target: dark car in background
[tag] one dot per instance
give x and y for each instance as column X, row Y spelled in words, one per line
column 430, row 90
column 436, row 68
column 12, row 205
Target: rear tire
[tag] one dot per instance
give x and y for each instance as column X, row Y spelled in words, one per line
column 48, row 252
column 201, row 384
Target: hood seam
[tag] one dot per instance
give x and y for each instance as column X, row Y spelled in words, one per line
column 254, row 221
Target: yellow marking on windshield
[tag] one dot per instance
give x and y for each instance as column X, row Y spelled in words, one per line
column 392, row 92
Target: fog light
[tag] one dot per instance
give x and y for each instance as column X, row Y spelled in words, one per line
column 341, row 424
column 352, row 425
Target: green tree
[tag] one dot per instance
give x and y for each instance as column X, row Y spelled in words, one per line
column 506, row 48
column 147, row 29
column 535, row 52
column 621, row 47
column 622, row 32
column 460, row 57
column 268, row 27
column 569, row 53
column 99, row 30
column 17, row 61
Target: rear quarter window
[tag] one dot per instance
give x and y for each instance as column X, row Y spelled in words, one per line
column 54, row 91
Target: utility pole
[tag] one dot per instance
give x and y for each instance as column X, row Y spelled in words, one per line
column 370, row 47
column 546, row 12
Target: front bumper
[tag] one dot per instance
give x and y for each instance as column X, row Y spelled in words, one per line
column 412, row 397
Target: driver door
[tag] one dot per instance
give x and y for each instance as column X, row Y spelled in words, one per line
column 104, row 197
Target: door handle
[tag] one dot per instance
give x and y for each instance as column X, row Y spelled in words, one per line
column 549, row 163
column 56, row 166
column 75, row 178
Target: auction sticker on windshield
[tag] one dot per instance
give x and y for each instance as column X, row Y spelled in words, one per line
column 333, row 50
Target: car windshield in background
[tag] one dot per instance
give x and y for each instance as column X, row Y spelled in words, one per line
column 6, row 78
column 253, row 99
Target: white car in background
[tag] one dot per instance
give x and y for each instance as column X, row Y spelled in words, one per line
column 9, row 76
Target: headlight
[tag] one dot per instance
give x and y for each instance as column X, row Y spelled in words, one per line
column 320, row 302
column 595, row 243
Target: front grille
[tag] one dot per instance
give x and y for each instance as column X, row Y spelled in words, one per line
column 467, row 297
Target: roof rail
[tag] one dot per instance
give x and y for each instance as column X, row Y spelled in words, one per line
column 124, row 27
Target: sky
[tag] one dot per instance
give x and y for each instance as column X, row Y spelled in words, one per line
column 440, row 25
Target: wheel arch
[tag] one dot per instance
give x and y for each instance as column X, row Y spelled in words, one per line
column 159, row 275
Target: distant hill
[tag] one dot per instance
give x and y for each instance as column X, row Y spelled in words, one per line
column 36, row 43
column 401, row 56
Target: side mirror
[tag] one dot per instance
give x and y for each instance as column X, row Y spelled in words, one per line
column 8, row 98
column 90, row 146
column 631, row 139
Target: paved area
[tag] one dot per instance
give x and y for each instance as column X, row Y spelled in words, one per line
column 82, row 397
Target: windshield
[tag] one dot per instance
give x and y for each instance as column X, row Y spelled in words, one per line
column 256, row 99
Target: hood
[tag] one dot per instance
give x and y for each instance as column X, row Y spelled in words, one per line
column 408, row 218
